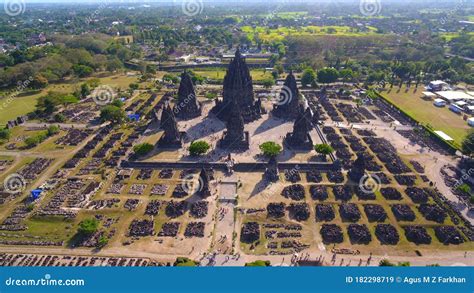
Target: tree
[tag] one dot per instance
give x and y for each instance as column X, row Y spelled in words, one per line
column 211, row 96
column 142, row 149
column 270, row 148
column 117, row 103
column 103, row 241
column 53, row 129
column 85, row 90
column 386, row 263
column 198, row 148
column 468, row 144
column 39, row 82
column 346, row 74
column 268, row 83
column 258, row 263
column 82, row 70
column 327, row 75
column 88, row 227
column 308, row 77
column 185, row 262
column 133, row 86
column 323, row 149
column 113, row 114
column 5, row 134
column 59, row 118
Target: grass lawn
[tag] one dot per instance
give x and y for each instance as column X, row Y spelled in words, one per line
column 281, row 33
column 257, row 75
column 426, row 113
column 25, row 102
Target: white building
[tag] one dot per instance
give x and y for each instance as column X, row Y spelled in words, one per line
column 439, row 103
column 437, row 85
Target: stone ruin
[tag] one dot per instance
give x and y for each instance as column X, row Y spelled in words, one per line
column 375, row 213
column 359, row 234
column 387, row 234
column 417, row 235
column 331, row 233
column 204, row 189
column 294, row 192
column 250, row 232
column 276, row 210
column 448, row 235
column 349, row 212
column 324, row 213
column 299, row 211
column 271, row 172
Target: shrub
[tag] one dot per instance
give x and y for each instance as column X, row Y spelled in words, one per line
column 258, row 263
column 270, row 148
column 142, row 149
column 5, row 134
column 53, row 129
column 323, row 149
column 198, row 148
column 88, row 226
column 386, row 263
column 185, row 262
column 113, row 114
column 211, row 96
column 59, row 118
column 308, row 77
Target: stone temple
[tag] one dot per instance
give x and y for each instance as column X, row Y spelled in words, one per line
column 187, row 106
column 238, row 87
column 235, row 138
column 287, row 106
column 171, row 137
column 300, row 139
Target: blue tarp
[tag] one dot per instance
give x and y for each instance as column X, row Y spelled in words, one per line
column 134, row 117
column 35, row 194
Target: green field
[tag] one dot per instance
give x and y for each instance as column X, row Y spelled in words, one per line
column 281, row 33
column 218, row 74
column 25, row 102
column 426, row 113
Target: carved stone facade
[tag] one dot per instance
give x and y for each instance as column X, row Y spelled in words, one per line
column 187, row 106
column 238, row 87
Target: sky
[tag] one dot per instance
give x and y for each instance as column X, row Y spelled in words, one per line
column 233, row 1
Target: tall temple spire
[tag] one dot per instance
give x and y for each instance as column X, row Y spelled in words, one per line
column 238, row 87
column 187, row 106
column 171, row 136
column 204, row 189
column 235, row 137
column 300, row 138
column 287, row 105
